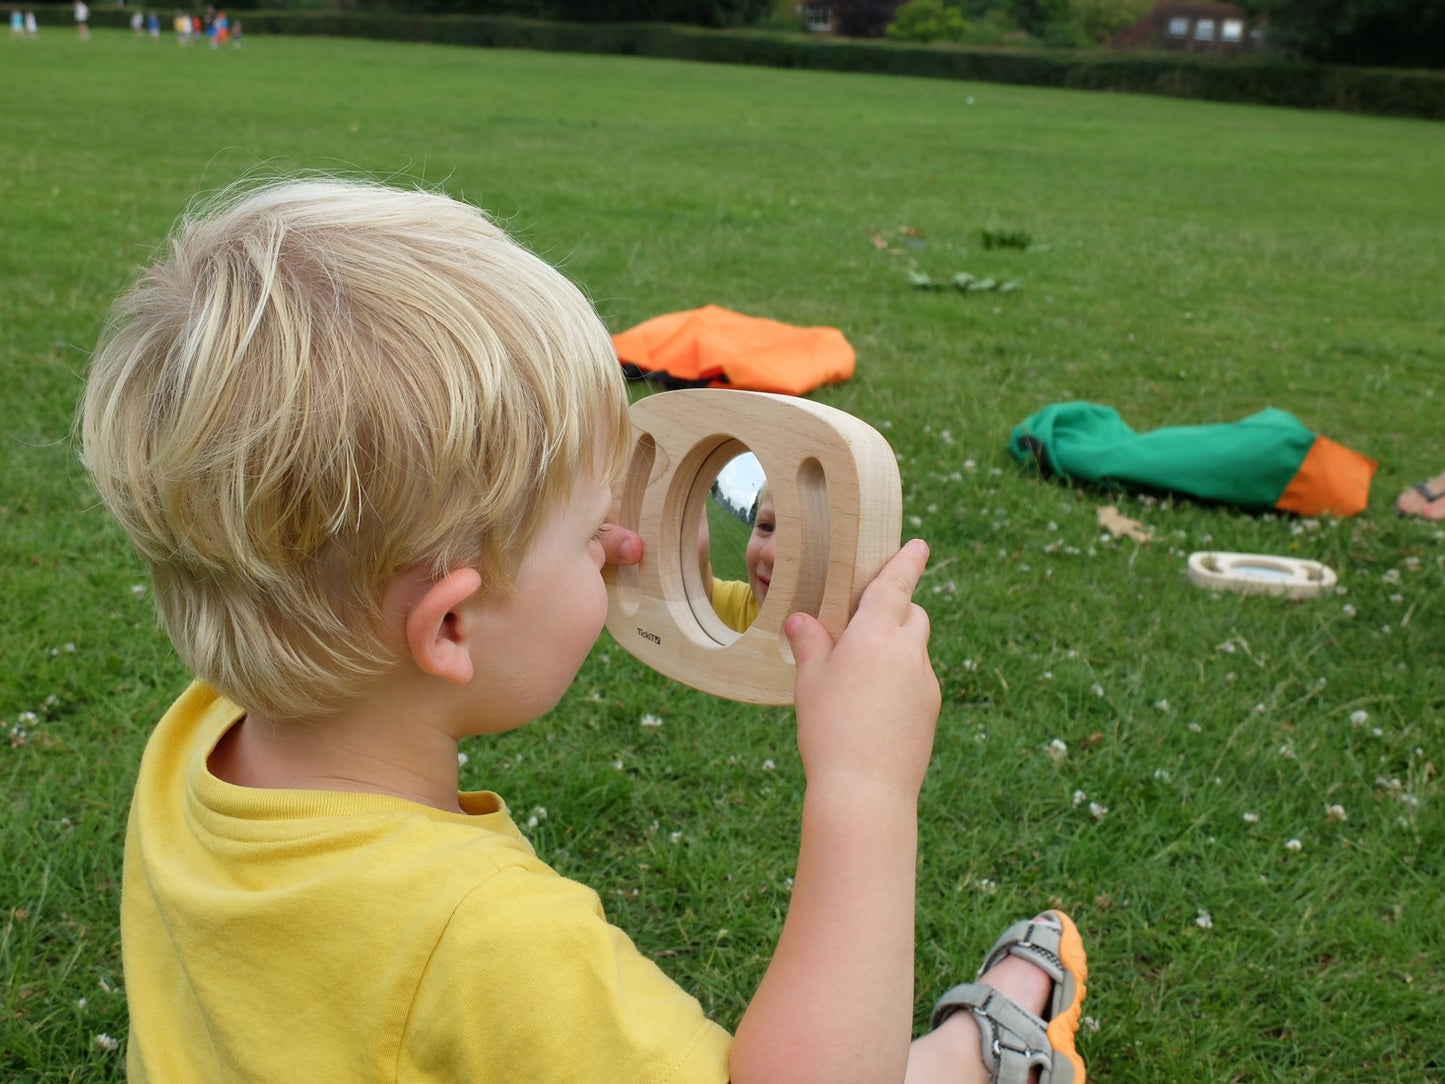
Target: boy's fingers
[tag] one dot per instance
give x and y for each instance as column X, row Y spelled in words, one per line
column 622, row 547
column 808, row 639
column 898, row 579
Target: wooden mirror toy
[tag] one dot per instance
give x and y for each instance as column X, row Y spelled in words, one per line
column 837, row 503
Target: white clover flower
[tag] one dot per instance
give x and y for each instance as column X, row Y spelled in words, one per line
column 987, row 887
column 532, row 822
column 970, row 664
column 768, row 765
column 1161, row 775
column 1293, row 845
column 1251, row 818
column 1098, row 811
column 1335, row 813
column 540, row 813
column 80, row 1003
column 1195, row 728
column 969, row 464
column 1359, row 717
column 617, row 764
column 137, row 589
column 674, row 837
column 27, row 718
column 107, row 1043
column 1161, row 705
column 1391, row 576
column 461, row 759
column 1090, row 1022
column 1058, row 751
column 1080, row 798
column 650, row 720
column 1097, row 690
column 1204, row 920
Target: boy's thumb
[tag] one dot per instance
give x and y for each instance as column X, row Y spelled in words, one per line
column 808, row 639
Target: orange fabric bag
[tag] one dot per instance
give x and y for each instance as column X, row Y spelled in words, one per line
column 718, row 348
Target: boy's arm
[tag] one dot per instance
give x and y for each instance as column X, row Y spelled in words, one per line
column 836, row 1003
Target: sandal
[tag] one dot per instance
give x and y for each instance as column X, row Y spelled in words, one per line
column 1016, row 1041
column 1427, row 494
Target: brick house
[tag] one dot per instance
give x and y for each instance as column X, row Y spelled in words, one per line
column 1193, row 28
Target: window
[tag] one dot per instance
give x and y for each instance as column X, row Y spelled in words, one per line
column 817, row 17
column 1232, row 30
column 1178, row 27
column 1204, row 30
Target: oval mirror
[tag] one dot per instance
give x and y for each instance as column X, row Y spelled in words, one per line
column 735, row 543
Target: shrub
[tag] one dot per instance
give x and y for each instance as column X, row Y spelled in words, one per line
column 926, row 20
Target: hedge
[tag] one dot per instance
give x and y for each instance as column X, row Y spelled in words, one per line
column 1257, row 80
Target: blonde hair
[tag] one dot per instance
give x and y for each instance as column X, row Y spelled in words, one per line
column 323, row 384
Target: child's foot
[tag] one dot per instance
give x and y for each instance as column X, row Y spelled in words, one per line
column 1426, row 500
column 1023, row 1010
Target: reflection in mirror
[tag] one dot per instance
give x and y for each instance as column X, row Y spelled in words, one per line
column 735, row 542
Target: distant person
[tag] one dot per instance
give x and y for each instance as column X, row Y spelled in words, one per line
column 32, row 28
column 153, row 25
column 137, row 23
column 82, row 19
column 17, row 24
column 1424, row 499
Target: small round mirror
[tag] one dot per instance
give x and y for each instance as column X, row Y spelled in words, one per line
column 735, row 543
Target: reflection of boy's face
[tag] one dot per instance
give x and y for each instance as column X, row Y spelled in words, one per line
column 760, row 548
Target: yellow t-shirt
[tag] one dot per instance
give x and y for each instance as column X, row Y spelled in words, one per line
column 735, row 603
column 288, row 935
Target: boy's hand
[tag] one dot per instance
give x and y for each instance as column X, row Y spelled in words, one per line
column 867, row 706
column 621, row 546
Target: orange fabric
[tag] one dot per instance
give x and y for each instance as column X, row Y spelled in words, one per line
column 723, row 348
column 1332, row 480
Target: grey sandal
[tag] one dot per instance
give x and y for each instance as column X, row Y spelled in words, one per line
column 1016, row 1041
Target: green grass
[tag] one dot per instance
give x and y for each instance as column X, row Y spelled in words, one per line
column 1191, row 263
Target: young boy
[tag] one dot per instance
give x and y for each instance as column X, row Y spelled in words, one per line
column 364, row 442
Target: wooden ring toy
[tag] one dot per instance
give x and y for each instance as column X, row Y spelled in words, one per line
column 839, row 507
column 1260, row 574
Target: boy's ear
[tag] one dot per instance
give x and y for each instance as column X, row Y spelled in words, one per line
column 434, row 630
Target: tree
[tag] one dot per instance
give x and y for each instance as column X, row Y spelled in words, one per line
column 1378, row 33
column 1098, row 19
column 694, row 12
column 1039, row 17
column 863, row 18
column 927, row 20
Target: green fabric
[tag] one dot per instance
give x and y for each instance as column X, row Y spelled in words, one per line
column 1246, row 463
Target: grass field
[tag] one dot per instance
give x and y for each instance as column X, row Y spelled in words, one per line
column 1245, row 819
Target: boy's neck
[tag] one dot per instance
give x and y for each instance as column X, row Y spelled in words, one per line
column 372, row 746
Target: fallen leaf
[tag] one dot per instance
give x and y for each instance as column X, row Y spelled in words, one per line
column 1118, row 524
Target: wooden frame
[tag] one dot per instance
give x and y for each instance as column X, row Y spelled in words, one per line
column 839, row 506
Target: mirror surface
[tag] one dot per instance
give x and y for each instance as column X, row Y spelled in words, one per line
column 735, row 542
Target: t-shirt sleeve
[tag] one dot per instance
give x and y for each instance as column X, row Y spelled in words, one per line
column 529, row 981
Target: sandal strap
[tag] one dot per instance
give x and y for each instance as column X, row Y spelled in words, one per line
column 1015, row 1041
column 1036, row 940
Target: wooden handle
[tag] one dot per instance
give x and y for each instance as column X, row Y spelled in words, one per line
column 839, row 506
